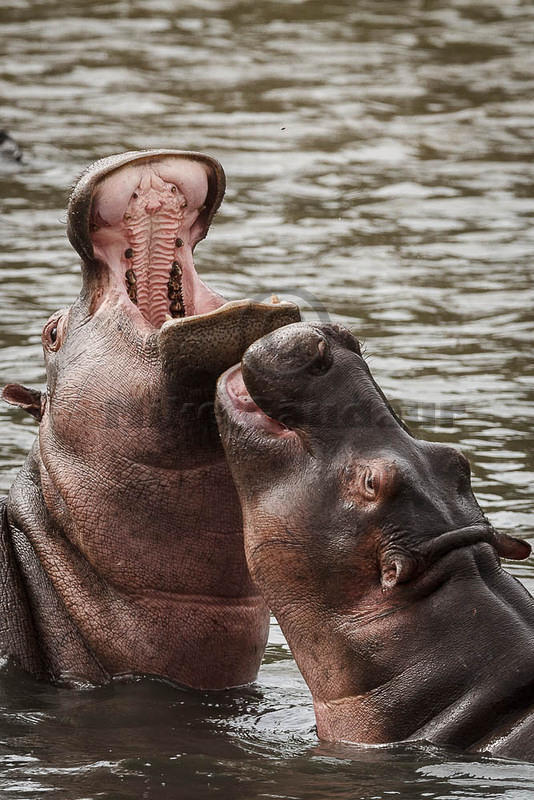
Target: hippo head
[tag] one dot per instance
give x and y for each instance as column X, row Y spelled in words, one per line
column 325, row 468
column 369, row 547
column 135, row 359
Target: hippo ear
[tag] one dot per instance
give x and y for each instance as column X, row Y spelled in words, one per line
column 397, row 567
column 510, row 547
column 30, row 400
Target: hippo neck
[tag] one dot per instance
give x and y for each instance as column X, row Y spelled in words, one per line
column 436, row 665
column 136, row 600
column 143, row 526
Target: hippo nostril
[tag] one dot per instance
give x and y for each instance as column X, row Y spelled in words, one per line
column 322, row 361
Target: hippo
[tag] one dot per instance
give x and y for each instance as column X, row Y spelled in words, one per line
column 9, row 149
column 121, row 537
column 374, row 555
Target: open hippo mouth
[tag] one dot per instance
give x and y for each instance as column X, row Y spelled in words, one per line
column 245, row 411
column 135, row 219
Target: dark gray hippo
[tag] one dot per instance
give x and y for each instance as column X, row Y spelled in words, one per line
column 10, row 152
column 122, row 545
column 374, row 555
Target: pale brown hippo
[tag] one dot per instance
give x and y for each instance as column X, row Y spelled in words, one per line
column 122, row 535
column 374, row 555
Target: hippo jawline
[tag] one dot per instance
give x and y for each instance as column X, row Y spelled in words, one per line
column 135, row 219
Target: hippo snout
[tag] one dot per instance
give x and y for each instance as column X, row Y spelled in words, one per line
column 278, row 368
column 288, row 351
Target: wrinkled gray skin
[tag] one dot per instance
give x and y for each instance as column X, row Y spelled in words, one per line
column 122, row 548
column 373, row 553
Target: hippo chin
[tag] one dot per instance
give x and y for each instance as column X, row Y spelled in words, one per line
column 122, row 536
column 374, row 555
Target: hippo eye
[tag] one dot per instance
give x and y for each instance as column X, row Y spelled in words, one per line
column 135, row 195
column 173, row 189
column 52, row 334
column 370, row 483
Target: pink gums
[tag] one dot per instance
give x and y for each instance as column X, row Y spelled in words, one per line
column 144, row 227
column 243, row 404
column 152, row 223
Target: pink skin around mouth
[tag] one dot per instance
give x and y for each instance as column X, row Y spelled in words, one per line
column 243, row 404
column 145, row 224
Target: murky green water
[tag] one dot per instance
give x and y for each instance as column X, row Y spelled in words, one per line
column 380, row 165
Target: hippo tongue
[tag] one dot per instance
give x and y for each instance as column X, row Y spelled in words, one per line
column 140, row 215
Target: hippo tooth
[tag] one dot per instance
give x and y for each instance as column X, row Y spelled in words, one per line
column 177, row 307
column 275, row 299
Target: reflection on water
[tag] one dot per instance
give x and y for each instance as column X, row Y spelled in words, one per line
column 379, row 160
